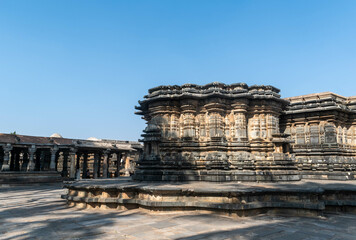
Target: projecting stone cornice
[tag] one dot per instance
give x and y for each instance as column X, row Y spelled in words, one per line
column 325, row 101
column 211, row 90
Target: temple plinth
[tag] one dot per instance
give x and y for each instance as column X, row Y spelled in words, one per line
column 234, row 133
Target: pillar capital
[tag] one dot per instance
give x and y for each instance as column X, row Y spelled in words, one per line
column 32, row 149
column 54, row 149
column 73, row 150
column 107, row 151
column 7, row 148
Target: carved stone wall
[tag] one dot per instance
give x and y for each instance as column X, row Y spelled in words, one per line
column 215, row 132
column 322, row 129
column 219, row 132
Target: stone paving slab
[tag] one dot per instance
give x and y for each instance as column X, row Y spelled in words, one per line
column 37, row 212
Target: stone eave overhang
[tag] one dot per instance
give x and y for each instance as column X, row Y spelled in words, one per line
column 319, row 109
column 47, row 142
column 43, row 145
column 321, row 100
column 190, row 86
column 253, row 95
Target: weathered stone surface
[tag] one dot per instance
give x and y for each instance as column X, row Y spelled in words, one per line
column 302, row 197
column 322, row 128
column 73, row 158
column 220, row 132
column 215, row 132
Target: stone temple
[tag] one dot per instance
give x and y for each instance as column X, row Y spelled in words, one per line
column 210, row 147
column 220, row 132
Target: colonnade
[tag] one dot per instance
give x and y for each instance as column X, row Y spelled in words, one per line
column 71, row 162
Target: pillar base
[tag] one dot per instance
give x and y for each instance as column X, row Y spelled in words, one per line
column 5, row 167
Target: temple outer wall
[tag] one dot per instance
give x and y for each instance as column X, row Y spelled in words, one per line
column 322, row 128
column 219, row 132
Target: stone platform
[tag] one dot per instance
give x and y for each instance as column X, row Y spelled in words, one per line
column 306, row 197
column 37, row 212
column 29, row 177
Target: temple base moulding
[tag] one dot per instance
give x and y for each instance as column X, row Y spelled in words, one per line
column 305, row 197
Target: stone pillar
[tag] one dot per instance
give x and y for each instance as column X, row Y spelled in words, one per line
column 38, row 160
column 127, row 165
column 1, row 156
column 106, row 163
column 52, row 165
column 12, row 160
column 17, row 160
column 77, row 169
column 7, row 149
column 118, row 166
column 65, row 164
column 96, row 164
column 56, row 161
column 72, row 153
column 85, row 165
column 31, row 162
column 24, row 161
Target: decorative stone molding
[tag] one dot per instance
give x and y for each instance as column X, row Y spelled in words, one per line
column 197, row 133
column 220, row 132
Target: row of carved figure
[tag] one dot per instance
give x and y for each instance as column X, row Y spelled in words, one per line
column 322, row 133
column 204, row 158
column 233, row 126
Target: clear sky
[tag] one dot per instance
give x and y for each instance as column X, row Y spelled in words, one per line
column 79, row 67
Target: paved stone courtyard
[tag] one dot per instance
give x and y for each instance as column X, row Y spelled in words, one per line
column 37, row 212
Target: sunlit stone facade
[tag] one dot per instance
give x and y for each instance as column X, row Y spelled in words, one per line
column 322, row 128
column 215, row 132
column 220, row 132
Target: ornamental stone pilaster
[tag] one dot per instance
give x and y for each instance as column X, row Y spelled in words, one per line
column 239, row 112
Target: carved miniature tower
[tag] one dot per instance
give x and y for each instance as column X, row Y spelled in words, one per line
column 214, row 132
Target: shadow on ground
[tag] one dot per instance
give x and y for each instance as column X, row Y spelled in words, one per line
column 37, row 212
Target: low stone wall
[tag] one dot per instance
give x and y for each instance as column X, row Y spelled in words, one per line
column 304, row 198
column 29, row 177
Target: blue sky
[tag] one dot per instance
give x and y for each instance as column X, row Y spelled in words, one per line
column 79, row 67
